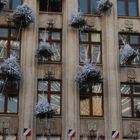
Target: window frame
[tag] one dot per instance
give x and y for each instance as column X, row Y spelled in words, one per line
column 127, row 9
column 49, row 61
column 9, row 38
column 137, row 46
column 49, row 92
column 91, row 94
column 49, row 9
column 90, row 43
column 131, row 96
column 7, row 92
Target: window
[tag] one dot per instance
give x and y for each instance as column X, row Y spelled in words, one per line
column 12, row 4
column 134, row 41
column 90, row 47
column 88, row 6
column 130, row 94
column 127, row 7
column 46, row 138
column 50, row 5
column 54, row 38
column 9, row 96
column 91, row 101
column 51, row 89
column 9, row 44
column 8, row 137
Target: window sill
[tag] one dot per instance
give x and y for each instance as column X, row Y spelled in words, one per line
column 50, row 13
column 130, row 66
column 89, row 117
column 130, row 119
column 129, row 17
column 91, row 15
column 8, row 115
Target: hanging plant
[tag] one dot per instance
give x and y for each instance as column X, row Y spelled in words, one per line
column 104, row 6
column 23, row 16
column 10, row 68
column 44, row 50
column 127, row 54
column 77, row 20
column 87, row 75
column 3, row 3
column 44, row 109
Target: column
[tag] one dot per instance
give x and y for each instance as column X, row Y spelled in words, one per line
column 70, row 63
column 28, row 82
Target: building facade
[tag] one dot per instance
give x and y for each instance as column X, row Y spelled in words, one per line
column 106, row 111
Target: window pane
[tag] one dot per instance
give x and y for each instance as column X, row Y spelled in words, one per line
column 121, row 8
column 55, row 5
column 3, row 32
column 83, row 36
column 97, row 88
column 12, row 103
column 55, row 138
column 15, row 49
column 97, row 106
column 55, row 102
column 84, row 105
column 3, row 48
column 10, row 137
column 126, row 107
column 83, row 52
column 43, row 35
column 42, row 96
column 14, row 33
column 2, row 98
column 137, row 107
column 132, row 6
column 55, row 35
column 136, row 60
column 96, row 53
column 93, row 5
column 45, row 138
column 83, row 6
column 43, row 5
column 136, row 89
column 16, row 3
column 134, row 39
column 1, row 138
column 55, row 86
column 43, row 85
column 125, row 89
column 95, row 37
column 56, row 47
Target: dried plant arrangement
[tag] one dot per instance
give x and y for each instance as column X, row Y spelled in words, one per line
column 44, row 50
column 11, row 69
column 127, row 54
column 43, row 109
column 77, row 20
column 3, row 3
column 87, row 75
column 23, row 16
column 104, row 6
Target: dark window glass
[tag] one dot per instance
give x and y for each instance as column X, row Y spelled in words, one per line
column 50, row 5
column 90, row 47
column 53, row 37
column 127, row 7
column 51, row 89
column 12, row 4
column 134, row 41
column 88, row 6
column 91, row 101
column 130, row 100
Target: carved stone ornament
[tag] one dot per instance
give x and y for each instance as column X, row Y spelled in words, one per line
column 131, row 75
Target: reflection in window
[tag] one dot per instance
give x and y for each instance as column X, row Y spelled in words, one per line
column 9, row 44
column 12, row 4
column 130, row 100
column 54, row 39
column 2, row 99
column 90, row 47
column 91, row 101
column 134, row 41
column 51, row 90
